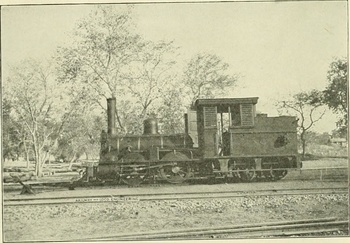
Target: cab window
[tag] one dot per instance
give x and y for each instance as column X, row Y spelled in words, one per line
column 236, row 115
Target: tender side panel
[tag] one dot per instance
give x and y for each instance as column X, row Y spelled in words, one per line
column 273, row 136
column 277, row 143
column 273, row 124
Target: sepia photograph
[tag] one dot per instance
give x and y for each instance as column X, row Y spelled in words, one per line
column 174, row 121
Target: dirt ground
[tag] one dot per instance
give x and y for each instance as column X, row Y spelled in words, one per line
column 97, row 220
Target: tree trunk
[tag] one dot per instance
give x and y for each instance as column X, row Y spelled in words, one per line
column 26, row 154
column 71, row 162
column 43, row 158
column 86, row 155
column 303, row 144
column 38, row 168
column 304, row 147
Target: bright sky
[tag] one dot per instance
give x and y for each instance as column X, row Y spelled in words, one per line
column 279, row 48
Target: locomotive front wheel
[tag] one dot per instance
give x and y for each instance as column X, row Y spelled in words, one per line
column 133, row 180
column 133, row 170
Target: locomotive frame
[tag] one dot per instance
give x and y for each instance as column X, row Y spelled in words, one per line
column 223, row 138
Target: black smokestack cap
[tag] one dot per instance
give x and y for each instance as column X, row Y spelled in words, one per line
column 111, row 105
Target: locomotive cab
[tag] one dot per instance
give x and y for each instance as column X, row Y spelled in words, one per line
column 217, row 117
column 233, row 137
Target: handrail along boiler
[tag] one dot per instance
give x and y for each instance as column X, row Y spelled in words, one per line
column 223, row 138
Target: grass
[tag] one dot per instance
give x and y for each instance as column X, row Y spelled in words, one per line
column 326, row 151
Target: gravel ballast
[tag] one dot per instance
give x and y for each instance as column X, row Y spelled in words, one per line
column 96, row 220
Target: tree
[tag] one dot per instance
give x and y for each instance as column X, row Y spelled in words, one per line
column 104, row 48
column 82, row 127
column 111, row 60
column 308, row 107
column 79, row 136
column 336, row 93
column 151, row 75
column 206, row 75
column 11, row 138
column 171, row 112
column 15, row 136
column 318, row 138
column 37, row 104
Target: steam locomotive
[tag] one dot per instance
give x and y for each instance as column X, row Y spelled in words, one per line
column 223, row 138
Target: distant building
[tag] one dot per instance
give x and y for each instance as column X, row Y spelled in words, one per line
column 339, row 141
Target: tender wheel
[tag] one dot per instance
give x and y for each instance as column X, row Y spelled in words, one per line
column 274, row 174
column 133, row 169
column 283, row 163
column 259, row 175
column 233, row 176
column 269, row 174
column 247, row 175
column 279, row 174
column 176, row 172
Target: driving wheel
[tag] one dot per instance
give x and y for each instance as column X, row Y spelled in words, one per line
column 176, row 172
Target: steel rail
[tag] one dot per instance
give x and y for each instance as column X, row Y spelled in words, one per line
column 275, row 233
column 169, row 196
column 185, row 193
column 325, row 168
column 290, row 232
column 257, row 232
column 239, row 230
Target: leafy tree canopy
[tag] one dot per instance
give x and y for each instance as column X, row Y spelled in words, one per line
column 109, row 59
column 207, row 75
column 336, row 93
column 307, row 107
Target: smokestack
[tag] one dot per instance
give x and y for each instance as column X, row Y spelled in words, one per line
column 111, row 116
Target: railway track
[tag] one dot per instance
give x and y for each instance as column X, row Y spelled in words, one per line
column 259, row 230
column 305, row 174
column 169, row 196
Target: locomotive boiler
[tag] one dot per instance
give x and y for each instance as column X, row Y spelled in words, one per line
column 223, row 138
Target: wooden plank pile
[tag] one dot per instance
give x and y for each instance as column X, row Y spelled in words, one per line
column 13, row 174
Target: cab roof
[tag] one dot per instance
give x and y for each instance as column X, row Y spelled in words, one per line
column 225, row 101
